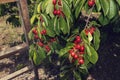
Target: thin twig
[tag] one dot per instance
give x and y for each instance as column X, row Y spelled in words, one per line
column 87, row 21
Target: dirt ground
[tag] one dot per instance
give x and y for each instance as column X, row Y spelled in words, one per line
column 108, row 65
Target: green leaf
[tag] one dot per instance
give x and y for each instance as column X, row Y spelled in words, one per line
column 96, row 40
column 65, row 50
column 32, row 20
column 92, row 54
column 49, row 8
column 66, row 9
column 39, row 56
column 31, row 51
column 118, row 1
column 63, row 26
column 56, row 26
column 45, row 19
column 113, row 10
column 79, row 8
column 39, row 7
column 83, row 69
column 30, row 34
column 50, row 32
column 105, row 6
column 77, row 75
column 98, row 5
column 103, row 20
column 84, row 37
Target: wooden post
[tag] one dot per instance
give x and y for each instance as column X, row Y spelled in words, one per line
column 23, row 9
column 22, row 4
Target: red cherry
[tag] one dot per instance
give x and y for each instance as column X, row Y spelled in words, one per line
column 55, row 12
column 34, row 31
column 91, row 3
column 77, row 46
column 76, row 56
column 82, row 48
column 81, row 61
column 72, row 54
column 58, row 12
column 78, row 37
column 81, row 52
column 40, row 44
column 71, row 51
column 43, row 32
column 92, row 29
column 47, row 48
column 53, row 39
column 36, row 37
column 54, row 2
column 86, row 31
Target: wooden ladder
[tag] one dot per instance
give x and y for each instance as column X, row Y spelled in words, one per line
column 24, row 13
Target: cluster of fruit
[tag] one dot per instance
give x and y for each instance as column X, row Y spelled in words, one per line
column 91, row 3
column 78, row 50
column 59, row 11
column 90, row 30
column 40, row 41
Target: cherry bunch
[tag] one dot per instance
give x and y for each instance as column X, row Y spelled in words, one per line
column 40, row 42
column 78, row 50
column 91, row 3
column 59, row 11
column 90, row 30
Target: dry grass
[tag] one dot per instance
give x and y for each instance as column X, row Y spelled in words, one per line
column 9, row 34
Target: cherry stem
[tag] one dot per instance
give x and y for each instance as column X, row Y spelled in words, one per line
column 87, row 21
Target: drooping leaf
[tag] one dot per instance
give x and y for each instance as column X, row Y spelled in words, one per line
column 65, row 50
column 32, row 20
column 49, row 8
column 66, row 9
column 77, row 75
column 84, row 37
column 98, row 5
column 105, row 6
column 45, row 19
column 96, row 40
column 79, row 8
column 118, row 1
column 56, row 26
column 92, row 54
column 63, row 26
column 103, row 20
column 39, row 56
column 113, row 10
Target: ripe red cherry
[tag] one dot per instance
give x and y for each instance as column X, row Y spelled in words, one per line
column 34, row 31
column 82, row 48
column 43, row 32
column 76, row 56
column 58, row 12
column 36, row 36
column 81, row 61
column 54, row 2
column 72, row 54
column 70, row 51
column 91, row 3
column 92, row 29
column 86, row 31
column 55, row 12
column 40, row 44
column 47, row 48
column 81, row 52
column 77, row 46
